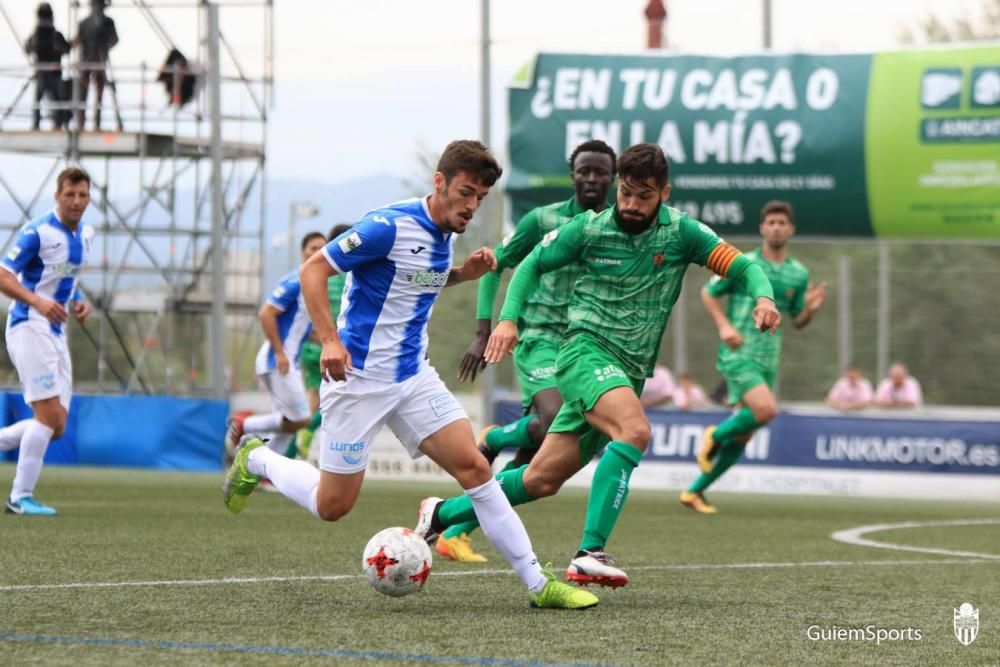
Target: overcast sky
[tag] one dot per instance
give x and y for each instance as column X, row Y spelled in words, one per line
column 360, row 84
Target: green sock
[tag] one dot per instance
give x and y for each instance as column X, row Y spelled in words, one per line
column 741, row 422
column 316, row 420
column 514, row 435
column 608, row 492
column 458, row 509
column 468, row 526
column 729, row 453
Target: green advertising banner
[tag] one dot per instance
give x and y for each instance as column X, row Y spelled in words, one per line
column 902, row 144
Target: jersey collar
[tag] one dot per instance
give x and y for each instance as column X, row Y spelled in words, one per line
column 59, row 223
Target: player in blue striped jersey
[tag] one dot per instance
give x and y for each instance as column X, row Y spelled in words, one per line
column 398, row 259
column 40, row 274
column 286, row 326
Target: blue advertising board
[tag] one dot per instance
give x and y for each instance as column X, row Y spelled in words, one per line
column 164, row 432
column 831, row 441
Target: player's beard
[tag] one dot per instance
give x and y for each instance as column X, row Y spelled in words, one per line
column 636, row 226
column 453, row 221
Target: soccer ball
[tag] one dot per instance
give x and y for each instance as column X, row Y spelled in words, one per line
column 397, row 562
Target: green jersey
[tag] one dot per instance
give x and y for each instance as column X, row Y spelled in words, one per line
column 789, row 280
column 544, row 313
column 628, row 283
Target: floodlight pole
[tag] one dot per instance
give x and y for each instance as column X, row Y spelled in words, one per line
column 217, row 343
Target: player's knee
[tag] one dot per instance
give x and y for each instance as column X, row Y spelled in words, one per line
column 474, row 472
column 545, row 419
column 55, row 420
column 636, row 433
column 291, row 426
column 332, row 509
column 765, row 412
column 540, row 483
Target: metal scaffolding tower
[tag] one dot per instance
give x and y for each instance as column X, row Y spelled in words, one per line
column 178, row 193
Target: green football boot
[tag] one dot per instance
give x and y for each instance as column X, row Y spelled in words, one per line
column 557, row 595
column 240, row 482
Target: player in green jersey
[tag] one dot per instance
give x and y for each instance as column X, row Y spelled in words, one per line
column 747, row 359
column 309, row 359
column 632, row 260
column 540, row 326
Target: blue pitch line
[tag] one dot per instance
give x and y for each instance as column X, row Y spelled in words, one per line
column 288, row 650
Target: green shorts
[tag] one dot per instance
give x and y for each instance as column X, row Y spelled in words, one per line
column 584, row 373
column 535, row 363
column 742, row 375
column 309, row 362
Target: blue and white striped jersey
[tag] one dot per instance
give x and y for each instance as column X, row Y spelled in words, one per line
column 294, row 326
column 397, row 261
column 47, row 258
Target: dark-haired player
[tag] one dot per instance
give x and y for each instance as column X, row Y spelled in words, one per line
column 632, row 259
column 540, row 325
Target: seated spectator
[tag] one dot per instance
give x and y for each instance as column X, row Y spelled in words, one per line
column 689, row 394
column 658, row 389
column 851, row 392
column 899, row 389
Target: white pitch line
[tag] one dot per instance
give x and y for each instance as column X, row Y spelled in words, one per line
column 477, row 573
column 853, row 536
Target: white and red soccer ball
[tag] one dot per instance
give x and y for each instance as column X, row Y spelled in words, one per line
column 397, row 562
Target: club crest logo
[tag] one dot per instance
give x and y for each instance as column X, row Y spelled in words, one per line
column 659, row 258
column 966, row 623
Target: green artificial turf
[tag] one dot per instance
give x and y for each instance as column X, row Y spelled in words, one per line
column 740, row 587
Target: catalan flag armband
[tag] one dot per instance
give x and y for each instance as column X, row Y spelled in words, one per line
column 721, row 258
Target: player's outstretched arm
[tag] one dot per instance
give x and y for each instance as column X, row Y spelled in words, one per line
column 730, row 263
column 474, row 360
column 81, row 309
column 268, row 316
column 314, row 276
column 48, row 309
column 815, row 296
column 727, row 332
column 475, row 266
column 502, row 341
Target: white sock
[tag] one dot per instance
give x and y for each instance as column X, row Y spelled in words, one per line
column 34, row 442
column 263, row 423
column 10, row 436
column 279, row 442
column 503, row 528
column 296, row 480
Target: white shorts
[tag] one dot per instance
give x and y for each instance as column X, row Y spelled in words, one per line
column 355, row 410
column 288, row 393
column 42, row 362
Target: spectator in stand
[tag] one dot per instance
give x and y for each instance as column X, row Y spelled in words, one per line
column 689, row 394
column 852, row 391
column 96, row 37
column 658, row 389
column 48, row 46
column 899, row 389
